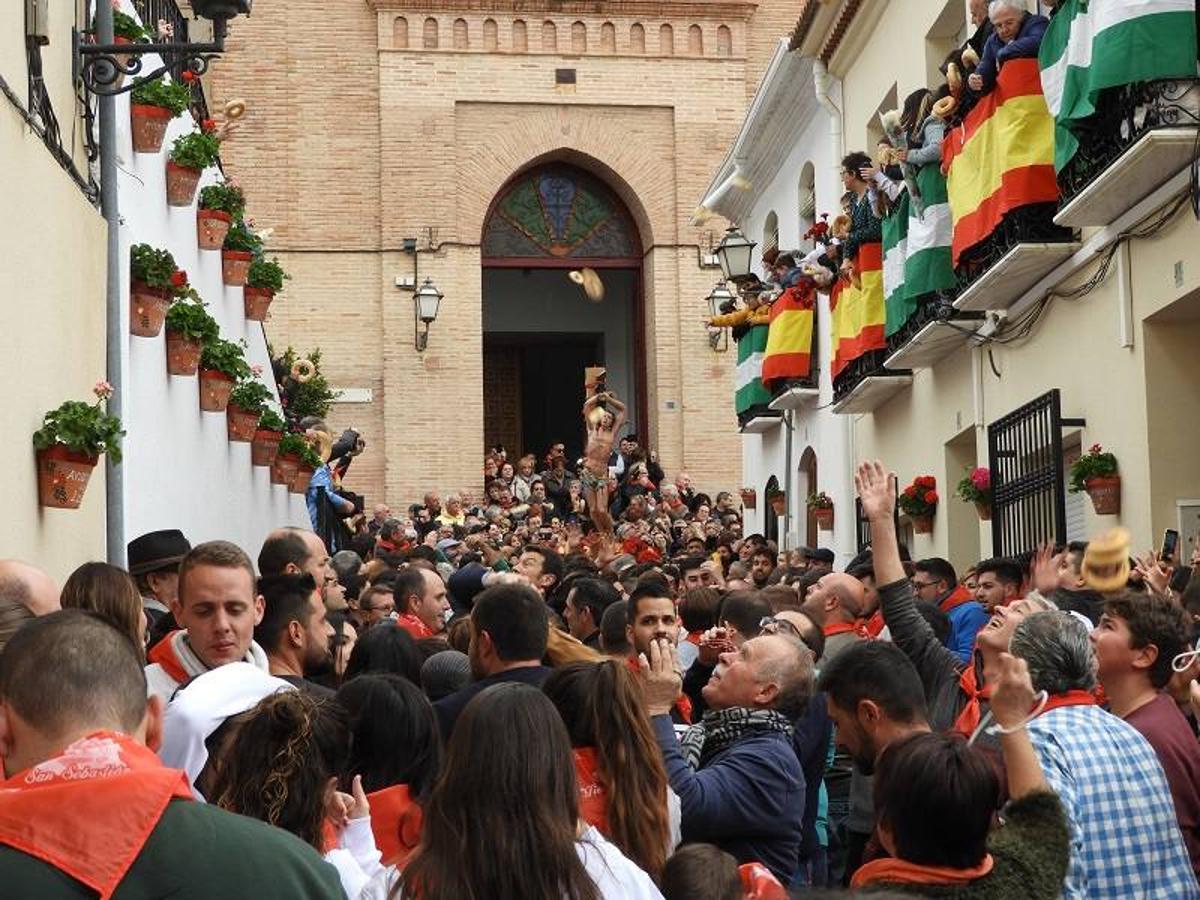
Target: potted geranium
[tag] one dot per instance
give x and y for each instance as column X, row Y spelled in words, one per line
column 778, row 501
column 240, row 248
column 126, row 30
column 976, row 487
column 220, row 204
column 287, row 460
column 265, row 446
column 919, row 502
column 189, row 328
column 246, row 403
column 821, row 505
column 191, row 154
column 749, row 498
column 310, row 461
column 69, row 444
column 1096, row 473
column 264, row 279
column 153, row 283
column 152, row 106
column 222, row 364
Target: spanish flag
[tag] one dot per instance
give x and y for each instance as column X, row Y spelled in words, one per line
column 790, row 338
column 858, row 313
column 1001, row 157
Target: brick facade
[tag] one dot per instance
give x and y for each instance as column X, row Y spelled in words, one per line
column 396, row 119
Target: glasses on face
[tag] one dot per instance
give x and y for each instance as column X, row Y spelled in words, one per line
column 383, row 609
column 921, row 585
column 772, row 625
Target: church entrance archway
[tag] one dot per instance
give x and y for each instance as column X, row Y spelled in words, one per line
column 540, row 329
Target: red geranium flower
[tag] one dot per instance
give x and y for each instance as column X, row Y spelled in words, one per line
column 179, row 278
column 188, row 76
column 931, row 497
column 208, row 125
column 910, row 491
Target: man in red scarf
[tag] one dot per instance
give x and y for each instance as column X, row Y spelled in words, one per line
column 88, row 810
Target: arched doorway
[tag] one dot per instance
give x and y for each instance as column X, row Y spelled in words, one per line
column 540, row 331
column 808, row 487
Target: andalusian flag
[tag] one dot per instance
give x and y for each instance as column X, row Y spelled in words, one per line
column 750, row 389
column 1001, row 157
column 860, row 315
column 1096, row 44
column 895, row 252
column 790, row 338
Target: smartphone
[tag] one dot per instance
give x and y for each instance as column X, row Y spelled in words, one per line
column 1170, row 544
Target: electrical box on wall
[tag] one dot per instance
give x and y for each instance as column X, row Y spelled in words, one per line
column 1189, row 528
column 37, row 20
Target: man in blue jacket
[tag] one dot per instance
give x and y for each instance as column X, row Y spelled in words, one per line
column 936, row 582
column 1017, row 34
column 739, row 783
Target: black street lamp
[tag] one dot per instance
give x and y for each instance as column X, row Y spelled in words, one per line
column 426, row 301
column 734, row 254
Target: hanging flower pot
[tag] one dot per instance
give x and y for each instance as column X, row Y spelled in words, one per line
column 148, row 125
column 1105, row 492
column 257, row 301
column 183, row 354
column 63, row 476
column 122, row 59
column 265, row 446
column 147, row 309
column 299, row 484
column 984, row 510
column 779, row 503
column 749, row 498
column 215, row 388
column 241, row 424
column 922, row 524
column 919, row 502
column 284, row 469
column 235, row 264
column 181, row 184
column 824, row 517
column 211, row 227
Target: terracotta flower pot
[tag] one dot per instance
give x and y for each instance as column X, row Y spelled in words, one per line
column 241, row 424
column 299, row 484
column 824, row 517
column 779, row 504
column 922, row 524
column 1105, row 493
column 122, row 58
column 749, row 498
column 183, row 354
column 181, row 184
column 211, row 227
column 284, row 469
column 147, row 309
column 984, row 510
column 215, row 388
column 149, row 127
column 63, row 476
column 257, row 302
column 235, row 264
column 264, row 447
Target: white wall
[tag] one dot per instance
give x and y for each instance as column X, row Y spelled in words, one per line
column 180, row 469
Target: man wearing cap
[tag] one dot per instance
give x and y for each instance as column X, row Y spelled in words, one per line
column 820, row 560
column 154, row 560
column 451, row 548
column 421, row 601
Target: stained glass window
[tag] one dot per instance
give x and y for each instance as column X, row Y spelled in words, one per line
column 559, row 211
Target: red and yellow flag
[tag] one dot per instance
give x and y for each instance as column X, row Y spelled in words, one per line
column 858, row 314
column 1001, row 157
column 790, row 339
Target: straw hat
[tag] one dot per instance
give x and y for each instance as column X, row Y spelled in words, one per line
column 592, row 286
column 1106, row 561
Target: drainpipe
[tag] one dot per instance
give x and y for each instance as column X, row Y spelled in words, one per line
column 789, row 423
column 737, row 179
column 114, row 339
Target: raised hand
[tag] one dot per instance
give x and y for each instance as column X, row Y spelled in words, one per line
column 876, row 488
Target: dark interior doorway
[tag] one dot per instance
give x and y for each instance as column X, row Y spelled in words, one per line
column 536, row 392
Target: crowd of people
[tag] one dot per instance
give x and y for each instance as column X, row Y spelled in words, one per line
column 506, row 701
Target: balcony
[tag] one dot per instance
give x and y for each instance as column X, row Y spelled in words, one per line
column 1005, row 280
column 760, row 420
column 1140, row 136
column 866, row 383
column 934, row 331
column 796, row 395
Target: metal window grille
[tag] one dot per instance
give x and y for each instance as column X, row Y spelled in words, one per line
column 1028, row 492
column 862, row 525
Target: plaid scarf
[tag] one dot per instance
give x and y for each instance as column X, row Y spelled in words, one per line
column 722, row 728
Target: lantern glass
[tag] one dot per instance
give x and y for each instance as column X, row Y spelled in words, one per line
column 734, row 254
column 428, row 299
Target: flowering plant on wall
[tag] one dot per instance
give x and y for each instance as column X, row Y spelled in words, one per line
column 976, row 486
column 920, row 499
column 81, row 427
column 1096, row 463
column 303, row 390
column 820, row 500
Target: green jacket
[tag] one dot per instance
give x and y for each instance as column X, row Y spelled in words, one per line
column 1030, row 853
column 196, row 852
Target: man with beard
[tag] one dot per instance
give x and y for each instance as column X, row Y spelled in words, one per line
column 294, row 631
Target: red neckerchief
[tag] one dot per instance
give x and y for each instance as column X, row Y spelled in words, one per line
column 396, row 823
column 858, row 628
column 683, row 705
column 957, row 598
column 414, row 626
column 593, row 798
column 89, row 811
column 899, row 871
column 971, row 714
column 163, row 653
column 874, row 625
column 759, row 884
column 1068, row 698
column 693, row 637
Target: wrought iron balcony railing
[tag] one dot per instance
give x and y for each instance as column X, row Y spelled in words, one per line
column 870, row 363
column 935, row 307
column 1029, row 224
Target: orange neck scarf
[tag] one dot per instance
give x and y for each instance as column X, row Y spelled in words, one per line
column 1069, row 698
column 593, row 798
column 898, row 871
column 957, row 597
column 396, row 822
column 972, row 713
column 89, row 811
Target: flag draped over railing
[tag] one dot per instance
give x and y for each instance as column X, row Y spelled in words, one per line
column 857, row 314
column 788, row 353
column 1096, row 44
column 750, row 389
column 1001, row 157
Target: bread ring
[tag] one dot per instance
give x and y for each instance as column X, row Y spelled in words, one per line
column 945, row 107
column 970, row 59
column 303, row 370
column 1106, row 561
column 235, row 109
column 954, row 79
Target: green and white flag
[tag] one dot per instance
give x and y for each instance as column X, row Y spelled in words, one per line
column 895, row 228
column 928, row 267
column 1096, row 44
column 750, row 389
